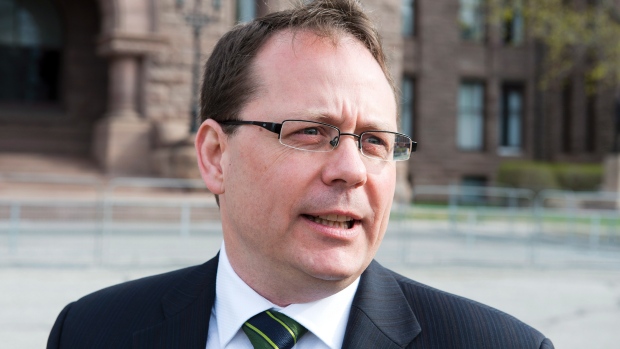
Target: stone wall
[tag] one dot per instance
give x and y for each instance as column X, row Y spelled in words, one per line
column 107, row 41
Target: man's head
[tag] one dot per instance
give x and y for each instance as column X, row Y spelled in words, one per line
column 230, row 75
column 310, row 221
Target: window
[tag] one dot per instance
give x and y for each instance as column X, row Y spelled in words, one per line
column 30, row 43
column 590, row 122
column 470, row 116
column 567, row 116
column 511, row 118
column 408, row 17
column 471, row 20
column 473, row 181
column 591, row 112
column 407, row 107
column 246, row 10
column 513, row 23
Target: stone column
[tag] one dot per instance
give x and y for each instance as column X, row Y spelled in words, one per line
column 122, row 138
column 611, row 175
column 403, row 192
column 123, row 87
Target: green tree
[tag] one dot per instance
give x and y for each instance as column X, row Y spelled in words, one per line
column 572, row 32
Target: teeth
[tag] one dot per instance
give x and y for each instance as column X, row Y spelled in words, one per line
column 336, row 218
column 332, row 220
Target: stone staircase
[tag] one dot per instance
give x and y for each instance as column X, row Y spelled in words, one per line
column 46, row 138
column 43, row 176
column 31, row 175
column 33, row 163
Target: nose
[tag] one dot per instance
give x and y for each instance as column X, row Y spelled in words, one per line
column 345, row 165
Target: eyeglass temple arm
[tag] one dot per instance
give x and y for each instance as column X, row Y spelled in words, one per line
column 270, row 126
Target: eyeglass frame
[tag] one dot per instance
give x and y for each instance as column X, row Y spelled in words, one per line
column 276, row 127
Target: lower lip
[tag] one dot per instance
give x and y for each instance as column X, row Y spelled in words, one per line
column 333, row 232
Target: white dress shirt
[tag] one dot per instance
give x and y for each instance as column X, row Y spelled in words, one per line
column 235, row 302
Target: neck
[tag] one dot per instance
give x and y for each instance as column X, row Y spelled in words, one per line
column 283, row 287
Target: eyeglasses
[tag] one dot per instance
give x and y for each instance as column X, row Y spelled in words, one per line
column 320, row 137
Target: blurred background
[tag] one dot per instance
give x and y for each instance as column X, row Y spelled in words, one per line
column 511, row 199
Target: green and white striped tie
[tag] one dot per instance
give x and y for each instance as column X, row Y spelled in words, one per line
column 273, row 330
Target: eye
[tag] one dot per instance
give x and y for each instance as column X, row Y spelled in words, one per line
column 377, row 144
column 310, row 131
column 374, row 140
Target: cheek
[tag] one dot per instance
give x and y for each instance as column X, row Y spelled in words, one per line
column 269, row 181
column 243, row 181
column 291, row 169
column 382, row 185
column 381, row 196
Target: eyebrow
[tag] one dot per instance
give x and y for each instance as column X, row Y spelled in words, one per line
column 332, row 120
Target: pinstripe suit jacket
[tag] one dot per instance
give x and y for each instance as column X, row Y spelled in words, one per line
column 389, row 311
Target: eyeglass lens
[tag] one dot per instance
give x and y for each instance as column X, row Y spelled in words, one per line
column 312, row 136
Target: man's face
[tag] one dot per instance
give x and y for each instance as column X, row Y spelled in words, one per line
column 279, row 203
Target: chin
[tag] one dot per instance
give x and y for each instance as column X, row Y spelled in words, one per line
column 333, row 264
column 333, row 272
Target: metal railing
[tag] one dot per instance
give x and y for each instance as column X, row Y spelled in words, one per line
column 551, row 213
column 99, row 229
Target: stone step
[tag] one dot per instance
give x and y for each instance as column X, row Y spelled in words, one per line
column 61, row 177
column 11, row 162
column 46, row 139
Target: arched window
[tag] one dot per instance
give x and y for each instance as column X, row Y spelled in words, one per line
column 30, row 48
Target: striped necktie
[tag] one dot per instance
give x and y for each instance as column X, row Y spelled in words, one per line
column 273, row 330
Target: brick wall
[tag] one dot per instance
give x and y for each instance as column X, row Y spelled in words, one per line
column 439, row 60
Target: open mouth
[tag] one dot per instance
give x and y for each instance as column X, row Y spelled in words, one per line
column 333, row 220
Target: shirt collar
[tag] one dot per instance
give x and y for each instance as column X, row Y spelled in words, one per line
column 235, row 302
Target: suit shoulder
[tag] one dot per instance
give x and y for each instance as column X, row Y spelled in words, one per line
column 131, row 297
column 108, row 317
column 440, row 312
column 150, row 285
column 429, row 296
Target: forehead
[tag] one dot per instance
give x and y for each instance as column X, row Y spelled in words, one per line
column 327, row 77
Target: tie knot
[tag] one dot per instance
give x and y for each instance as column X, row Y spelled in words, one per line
column 273, row 330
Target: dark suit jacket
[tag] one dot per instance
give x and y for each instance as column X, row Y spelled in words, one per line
column 389, row 311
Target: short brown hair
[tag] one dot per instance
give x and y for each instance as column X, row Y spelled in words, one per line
column 228, row 82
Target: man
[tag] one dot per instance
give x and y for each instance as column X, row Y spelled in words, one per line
column 299, row 144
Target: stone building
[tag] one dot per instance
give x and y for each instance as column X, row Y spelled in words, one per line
column 474, row 97
column 112, row 81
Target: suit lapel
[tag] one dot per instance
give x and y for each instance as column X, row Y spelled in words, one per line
column 381, row 317
column 187, row 310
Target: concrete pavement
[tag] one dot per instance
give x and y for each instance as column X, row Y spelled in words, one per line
column 577, row 306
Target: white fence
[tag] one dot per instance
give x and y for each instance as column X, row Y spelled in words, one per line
column 585, row 216
column 132, row 220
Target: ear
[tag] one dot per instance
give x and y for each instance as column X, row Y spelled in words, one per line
column 210, row 146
